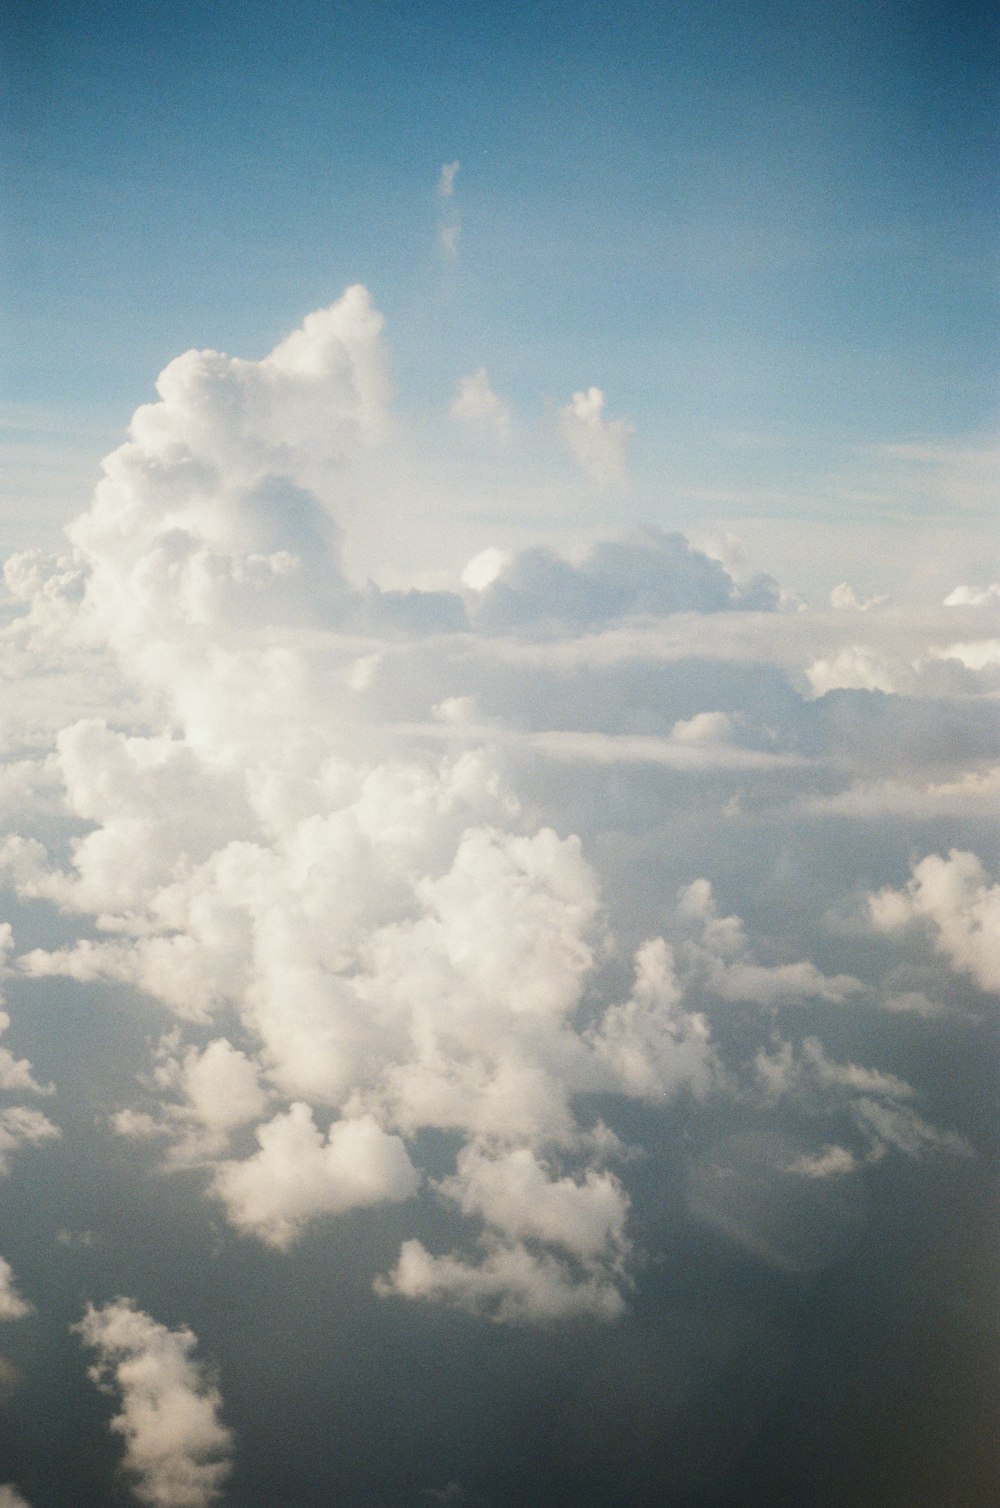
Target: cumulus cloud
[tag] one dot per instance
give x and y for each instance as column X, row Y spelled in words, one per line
column 954, row 899
column 12, row 1305
column 298, row 1174
column 177, row 1450
column 329, row 832
column 846, row 599
column 974, row 596
column 477, row 406
column 597, row 444
column 856, row 668
column 511, row 1283
column 652, row 573
column 16, row 1074
column 11, row 1498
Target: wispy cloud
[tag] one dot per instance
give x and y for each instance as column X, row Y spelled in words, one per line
column 450, row 222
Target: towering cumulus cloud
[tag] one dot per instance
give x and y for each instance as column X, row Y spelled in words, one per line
column 467, row 913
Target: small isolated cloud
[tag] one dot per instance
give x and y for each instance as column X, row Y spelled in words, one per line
column 177, row 1450
column 845, row 599
column 832, row 1162
column 596, row 444
column 974, row 596
column 22, row 1127
column 11, row 1498
column 446, row 179
column 449, row 225
column 477, row 406
column 511, row 1284
column 12, row 1305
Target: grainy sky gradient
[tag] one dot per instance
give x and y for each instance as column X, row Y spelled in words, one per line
column 500, row 942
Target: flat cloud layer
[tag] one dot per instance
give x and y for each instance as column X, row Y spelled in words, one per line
column 454, row 908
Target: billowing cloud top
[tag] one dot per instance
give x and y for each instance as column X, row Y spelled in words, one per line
column 530, row 871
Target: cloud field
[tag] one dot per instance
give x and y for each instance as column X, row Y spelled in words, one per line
column 441, row 922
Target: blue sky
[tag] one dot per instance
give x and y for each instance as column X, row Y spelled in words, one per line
column 763, row 231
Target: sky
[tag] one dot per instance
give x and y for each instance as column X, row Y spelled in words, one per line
column 500, row 933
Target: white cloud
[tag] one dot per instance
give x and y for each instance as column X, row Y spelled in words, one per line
column 596, row 444
column 16, row 1074
column 980, row 654
column 856, row 668
column 974, row 596
column 832, row 1162
column 845, row 599
column 12, row 1305
column 298, row 1175
column 477, row 406
column 516, row 1195
column 22, row 1127
column 510, row 1283
column 177, row 1450
column 383, row 860
column 11, row 1498
column 653, row 1046
column 954, row 898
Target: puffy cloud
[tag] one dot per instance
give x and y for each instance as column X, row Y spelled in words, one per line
column 845, row 599
column 12, row 1305
column 11, row 1498
column 330, row 831
column 596, row 444
column 517, row 1196
column 297, row 1174
column 979, row 654
column 511, row 1284
column 856, row 668
column 177, row 1450
column 652, row 573
column 22, row 1127
column 16, row 1074
column 974, row 596
column 652, row 1046
column 954, row 899
column 476, row 405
